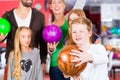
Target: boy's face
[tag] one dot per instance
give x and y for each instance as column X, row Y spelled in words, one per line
column 80, row 34
column 25, row 38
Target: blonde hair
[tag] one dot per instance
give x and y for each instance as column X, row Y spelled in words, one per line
column 81, row 14
column 50, row 1
column 80, row 21
column 78, row 12
column 17, row 52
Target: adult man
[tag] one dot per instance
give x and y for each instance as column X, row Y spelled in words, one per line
column 25, row 15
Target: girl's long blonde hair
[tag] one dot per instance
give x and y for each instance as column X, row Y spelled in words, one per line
column 17, row 52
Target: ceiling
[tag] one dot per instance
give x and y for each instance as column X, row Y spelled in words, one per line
column 98, row 2
column 81, row 3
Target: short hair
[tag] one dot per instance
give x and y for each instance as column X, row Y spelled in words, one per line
column 79, row 21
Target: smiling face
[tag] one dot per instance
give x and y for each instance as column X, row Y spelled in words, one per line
column 80, row 33
column 57, row 6
column 25, row 38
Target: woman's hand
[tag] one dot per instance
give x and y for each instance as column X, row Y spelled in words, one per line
column 52, row 47
column 82, row 57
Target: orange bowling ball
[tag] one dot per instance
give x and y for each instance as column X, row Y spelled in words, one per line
column 65, row 64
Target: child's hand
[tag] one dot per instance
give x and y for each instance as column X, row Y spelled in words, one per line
column 66, row 76
column 77, row 77
column 98, row 41
column 82, row 57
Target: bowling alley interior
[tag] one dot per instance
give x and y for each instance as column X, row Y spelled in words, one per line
column 105, row 16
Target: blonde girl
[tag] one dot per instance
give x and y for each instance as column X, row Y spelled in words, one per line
column 24, row 61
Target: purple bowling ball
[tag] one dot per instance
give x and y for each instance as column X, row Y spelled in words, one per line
column 108, row 31
column 51, row 33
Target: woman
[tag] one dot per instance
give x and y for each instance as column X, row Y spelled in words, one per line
column 57, row 7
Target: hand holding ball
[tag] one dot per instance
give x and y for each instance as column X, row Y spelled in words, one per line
column 4, row 26
column 65, row 64
column 52, row 33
